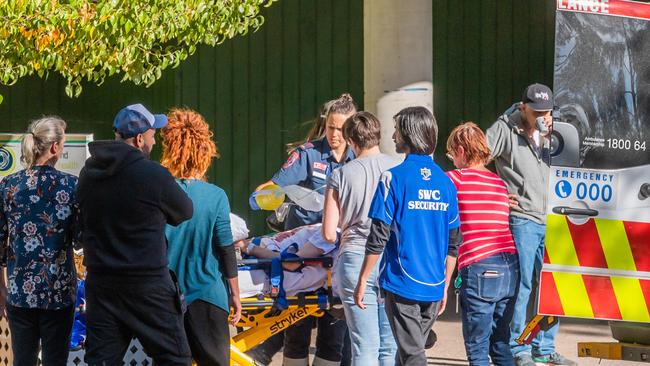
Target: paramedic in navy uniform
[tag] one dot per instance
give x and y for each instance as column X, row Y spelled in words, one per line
column 415, row 218
column 308, row 166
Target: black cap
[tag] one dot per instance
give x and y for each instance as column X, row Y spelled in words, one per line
column 538, row 97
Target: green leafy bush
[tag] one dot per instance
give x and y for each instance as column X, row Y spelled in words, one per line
column 134, row 39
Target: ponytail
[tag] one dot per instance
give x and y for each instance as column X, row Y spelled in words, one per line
column 27, row 148
column 40, row 136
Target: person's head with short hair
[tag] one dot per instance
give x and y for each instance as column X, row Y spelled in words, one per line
column 362, row 131
column 188, row 148
column 467, row 146
column 43, row 142
column 416, row 131
column 136, row 126
column 536, row 101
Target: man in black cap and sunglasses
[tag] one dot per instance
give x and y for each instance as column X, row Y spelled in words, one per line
column 126, row 200
column 519, row 142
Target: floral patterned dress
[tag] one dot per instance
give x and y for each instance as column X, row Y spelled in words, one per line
column 38, row 225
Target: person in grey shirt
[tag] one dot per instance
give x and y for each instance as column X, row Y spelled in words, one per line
column 520, row 148
column 349, row 194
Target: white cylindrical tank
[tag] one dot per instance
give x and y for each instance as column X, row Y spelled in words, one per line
column 393, row 101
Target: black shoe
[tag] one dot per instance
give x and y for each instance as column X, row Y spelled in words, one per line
column 432, row 338
column 259, row 357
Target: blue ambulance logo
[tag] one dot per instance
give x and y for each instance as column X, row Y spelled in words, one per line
column 563, row 189
column 7, row 161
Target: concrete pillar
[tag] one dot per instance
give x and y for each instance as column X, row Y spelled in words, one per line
column 398, row 49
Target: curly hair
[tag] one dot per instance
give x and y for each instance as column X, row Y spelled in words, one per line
column 188, row 148
column 473, row 140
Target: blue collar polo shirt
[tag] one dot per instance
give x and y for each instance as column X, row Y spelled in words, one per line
column 308, row 166
column 418, row 201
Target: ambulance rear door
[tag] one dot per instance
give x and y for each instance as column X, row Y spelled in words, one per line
column 597, row 254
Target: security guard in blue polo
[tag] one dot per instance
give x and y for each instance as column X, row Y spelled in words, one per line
column 309, row 165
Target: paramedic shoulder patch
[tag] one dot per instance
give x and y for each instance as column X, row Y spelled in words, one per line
column 292, row 159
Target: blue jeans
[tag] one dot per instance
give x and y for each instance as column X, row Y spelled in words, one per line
column 487, row 296
column 370, row 334
column 529, row 238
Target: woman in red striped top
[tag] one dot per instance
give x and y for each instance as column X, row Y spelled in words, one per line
column 487, row 259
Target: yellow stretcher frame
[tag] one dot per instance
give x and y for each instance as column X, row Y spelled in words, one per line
column 261, row 320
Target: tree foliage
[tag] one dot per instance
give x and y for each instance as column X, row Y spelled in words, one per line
column 92, row 39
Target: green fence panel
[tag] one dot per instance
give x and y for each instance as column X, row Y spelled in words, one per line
column 484, row 53
column 258, row 92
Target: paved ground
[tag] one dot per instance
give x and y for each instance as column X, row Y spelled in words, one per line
column 450, row 350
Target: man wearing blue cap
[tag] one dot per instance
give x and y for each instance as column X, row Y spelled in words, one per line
column 126, row 200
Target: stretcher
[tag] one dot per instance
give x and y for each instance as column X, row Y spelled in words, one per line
column 263, row 318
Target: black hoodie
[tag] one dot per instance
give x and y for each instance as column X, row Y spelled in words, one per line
column 125, row 202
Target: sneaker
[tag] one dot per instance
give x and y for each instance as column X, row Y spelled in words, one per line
column 555, row 359
column 524, row 359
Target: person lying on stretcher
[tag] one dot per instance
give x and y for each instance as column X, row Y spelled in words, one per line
column 305, row 242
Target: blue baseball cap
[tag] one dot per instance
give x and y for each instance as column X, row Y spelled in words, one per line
column 136, row 119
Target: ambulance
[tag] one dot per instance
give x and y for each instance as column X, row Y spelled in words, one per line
column 597, row 254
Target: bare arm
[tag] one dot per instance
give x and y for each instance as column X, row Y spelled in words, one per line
column 331, row 214
column 513, row 201
column 368, row 265
column 450, row 265
column 309, row 251
column 379, row 234
column 455, row 240
column 234, row 300
column 261, row 252
column 264, row 185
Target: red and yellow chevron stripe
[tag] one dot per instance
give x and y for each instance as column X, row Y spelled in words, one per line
column 600, row 270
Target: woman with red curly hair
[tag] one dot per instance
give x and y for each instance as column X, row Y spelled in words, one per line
column 487, row 259
column 200, row 251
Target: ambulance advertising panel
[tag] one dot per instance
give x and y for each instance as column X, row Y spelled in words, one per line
column 74, row 155
column 597, row 257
